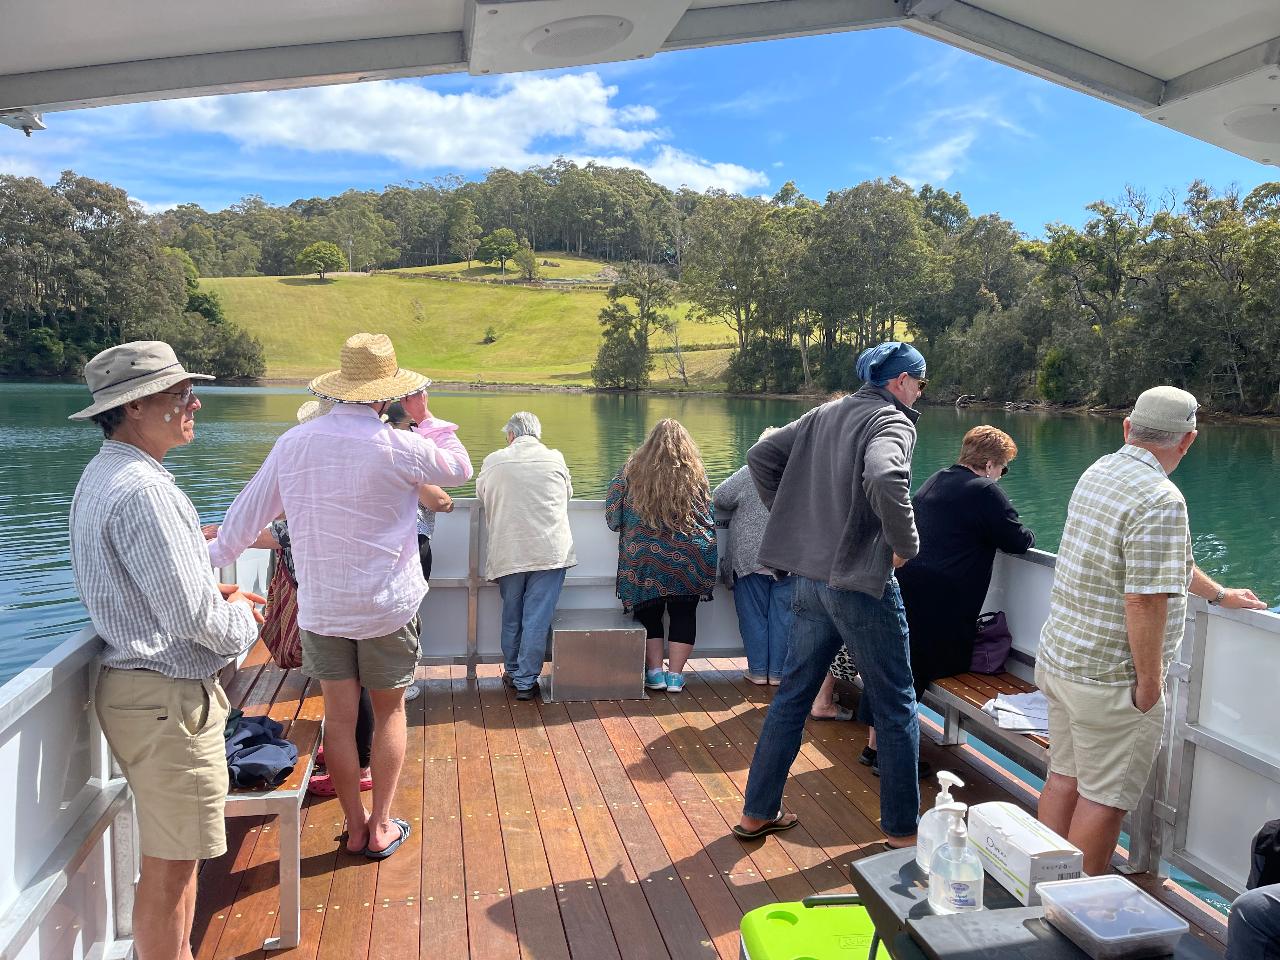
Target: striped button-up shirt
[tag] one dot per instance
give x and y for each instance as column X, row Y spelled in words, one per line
column 349, row 485
column 1126, row 532
column 142, row 569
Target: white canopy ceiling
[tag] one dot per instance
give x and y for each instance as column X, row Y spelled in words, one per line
column 1209, row 69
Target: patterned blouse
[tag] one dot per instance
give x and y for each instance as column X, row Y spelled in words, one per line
column 656, row 563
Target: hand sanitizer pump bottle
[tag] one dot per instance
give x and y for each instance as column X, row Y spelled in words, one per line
column 955, row 875
column 932, row 831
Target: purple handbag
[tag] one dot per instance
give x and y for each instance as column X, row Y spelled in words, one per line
column 993, row 643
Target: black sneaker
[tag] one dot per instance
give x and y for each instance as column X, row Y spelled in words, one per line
column 508, row 680
column 529, row 692
column 868, row 757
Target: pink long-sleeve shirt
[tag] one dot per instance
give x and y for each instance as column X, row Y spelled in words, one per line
column 349, row 485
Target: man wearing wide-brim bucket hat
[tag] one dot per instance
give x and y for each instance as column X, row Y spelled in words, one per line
column 142, row 570
column 349, row 485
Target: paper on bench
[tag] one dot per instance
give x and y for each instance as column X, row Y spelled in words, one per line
column 1020, row 712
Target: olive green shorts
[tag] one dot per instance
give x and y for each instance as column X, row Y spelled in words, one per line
column 379, row 663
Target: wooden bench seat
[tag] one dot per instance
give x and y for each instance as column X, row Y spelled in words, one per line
column 960, row 700
column 287, row 696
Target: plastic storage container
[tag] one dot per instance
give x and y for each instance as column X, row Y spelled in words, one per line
column 1111, row 919
column 830, row 927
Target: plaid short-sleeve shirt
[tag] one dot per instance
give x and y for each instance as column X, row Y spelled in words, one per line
column 1126, row 532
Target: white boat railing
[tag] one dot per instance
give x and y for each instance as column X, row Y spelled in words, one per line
column 68, row 835
column 69, row 841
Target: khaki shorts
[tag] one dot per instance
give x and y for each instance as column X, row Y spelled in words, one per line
column 379, row 663
column 1099, row 738
column 168, row 737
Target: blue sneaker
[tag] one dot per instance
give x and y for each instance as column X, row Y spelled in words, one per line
column 655, row 679
column 675, row 682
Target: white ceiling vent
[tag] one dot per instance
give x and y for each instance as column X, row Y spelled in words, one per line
column 578, row 38
column 1259, row 123
column 512, row 35
column 1238, row 109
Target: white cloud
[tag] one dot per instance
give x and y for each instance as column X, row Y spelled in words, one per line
column 755, row 101
column 153, row 207
column 939, row 70
column 17, row 166
column 938, row 144
column 528, row 119
column 676, row 168
column 937, row 162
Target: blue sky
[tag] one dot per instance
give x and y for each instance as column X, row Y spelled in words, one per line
column 826, row 112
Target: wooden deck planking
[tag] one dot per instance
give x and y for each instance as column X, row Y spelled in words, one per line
column 559, row 831
column 490, row 917
column 443, row 903
column 584, row 899
column 539, row 926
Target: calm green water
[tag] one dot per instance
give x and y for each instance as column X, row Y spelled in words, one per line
column 1229, row 477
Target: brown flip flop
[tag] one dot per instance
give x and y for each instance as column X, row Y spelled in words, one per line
column 776, row 825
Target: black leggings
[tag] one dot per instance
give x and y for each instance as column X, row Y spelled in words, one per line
column 682, row 612
column 424, row 554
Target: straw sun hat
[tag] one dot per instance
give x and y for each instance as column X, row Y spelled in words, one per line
column 369, row 373
column 312, row 409
column 131, row 371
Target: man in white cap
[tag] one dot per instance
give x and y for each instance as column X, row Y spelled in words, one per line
column 143, row 573
column 1116, row 616
column 348, row 482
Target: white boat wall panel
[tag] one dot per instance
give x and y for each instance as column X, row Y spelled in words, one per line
column 1238, row 699
column 56, row 805
column 73, row 928
column 1228, row 803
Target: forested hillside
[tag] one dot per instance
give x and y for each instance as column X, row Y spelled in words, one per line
column 1183, row 289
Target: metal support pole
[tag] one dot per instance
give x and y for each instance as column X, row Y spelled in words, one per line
column 952, row 735
column 289, row 824
column 473, row 590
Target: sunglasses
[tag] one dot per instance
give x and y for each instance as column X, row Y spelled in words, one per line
column 1004, row 471
column 921, row 383
column 184, row 396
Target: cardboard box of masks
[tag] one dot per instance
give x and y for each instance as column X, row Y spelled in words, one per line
column 1018, row 851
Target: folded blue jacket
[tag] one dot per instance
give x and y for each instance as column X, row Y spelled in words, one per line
column 257, row 754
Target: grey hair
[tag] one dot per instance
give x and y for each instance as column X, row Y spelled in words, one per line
column 768, row 431
column 1150, row 437
column 524, row 424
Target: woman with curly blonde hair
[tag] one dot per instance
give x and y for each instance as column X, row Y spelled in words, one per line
column 660, row 504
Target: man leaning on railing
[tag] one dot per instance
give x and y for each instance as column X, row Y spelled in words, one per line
column 142, row 569
column 1116, row 615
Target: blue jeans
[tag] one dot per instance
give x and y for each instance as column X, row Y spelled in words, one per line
column 528, row 603
column 1253, row 929
column 875, row 632
column 764, row 620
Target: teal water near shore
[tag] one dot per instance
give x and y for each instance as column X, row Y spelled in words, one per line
column 1229, row 477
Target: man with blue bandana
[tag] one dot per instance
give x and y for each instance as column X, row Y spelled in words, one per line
column 837, row 483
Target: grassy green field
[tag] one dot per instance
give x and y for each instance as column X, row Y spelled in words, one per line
column 543, row 336
column 551, row 266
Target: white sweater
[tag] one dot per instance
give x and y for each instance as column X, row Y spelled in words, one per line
column 525, row 489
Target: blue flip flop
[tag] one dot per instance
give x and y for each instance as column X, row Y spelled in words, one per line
column 394, row 845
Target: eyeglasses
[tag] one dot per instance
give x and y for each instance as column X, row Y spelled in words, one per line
column 921, row 383
column 184, row 396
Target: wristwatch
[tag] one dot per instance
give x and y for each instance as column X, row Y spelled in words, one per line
column 1218, row 599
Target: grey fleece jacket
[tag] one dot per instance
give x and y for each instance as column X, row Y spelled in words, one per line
column 737, row 501
column 837, row 483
